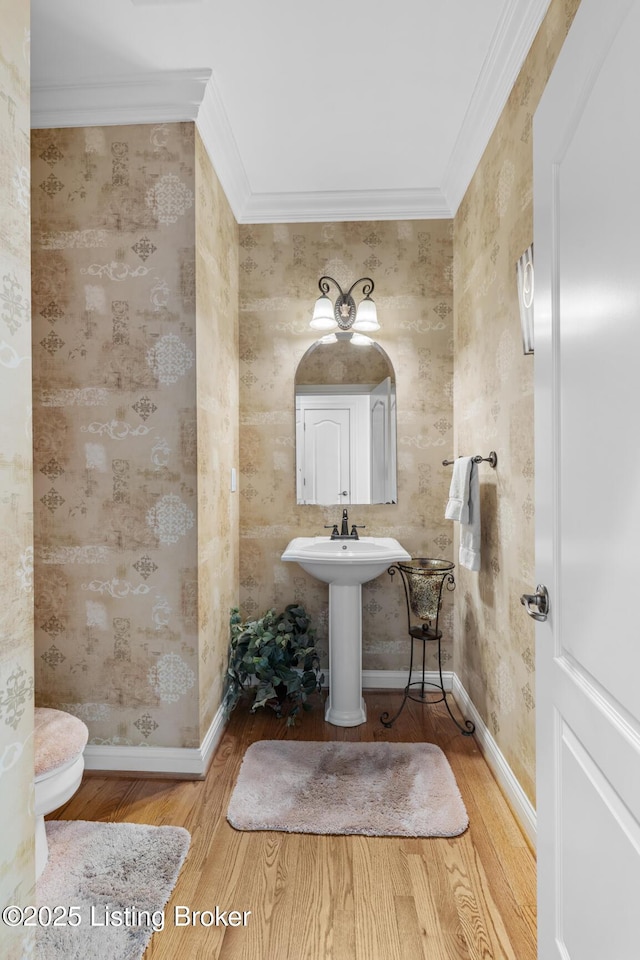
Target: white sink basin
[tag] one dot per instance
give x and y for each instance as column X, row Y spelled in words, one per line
column 345, row 565
column 345, row 562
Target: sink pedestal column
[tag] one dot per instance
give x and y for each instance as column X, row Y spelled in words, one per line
column 345, row 706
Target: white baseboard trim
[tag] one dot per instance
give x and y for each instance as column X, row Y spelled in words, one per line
column 393, row 679
column 397, row 679
column 519, row 802
column 187, row 762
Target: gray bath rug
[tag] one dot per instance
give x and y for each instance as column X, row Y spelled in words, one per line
column 119, row 875
column 374, row 789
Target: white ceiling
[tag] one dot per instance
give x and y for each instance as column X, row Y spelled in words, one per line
column 341, row 110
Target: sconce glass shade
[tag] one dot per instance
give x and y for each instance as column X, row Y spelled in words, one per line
column 366, row 316
column 323, row 316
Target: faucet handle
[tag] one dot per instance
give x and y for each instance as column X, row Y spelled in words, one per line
column 355, row 527
column 333, row 527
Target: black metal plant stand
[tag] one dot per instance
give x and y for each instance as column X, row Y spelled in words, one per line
column 424, row 580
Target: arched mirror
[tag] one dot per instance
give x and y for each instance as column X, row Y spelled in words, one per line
column 345, row 392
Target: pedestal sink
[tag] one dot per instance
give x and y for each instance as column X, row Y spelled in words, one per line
column 345, row 565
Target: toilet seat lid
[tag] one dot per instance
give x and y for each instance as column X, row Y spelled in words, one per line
column 58, row 738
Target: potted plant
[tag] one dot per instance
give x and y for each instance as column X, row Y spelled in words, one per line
column 275, row 658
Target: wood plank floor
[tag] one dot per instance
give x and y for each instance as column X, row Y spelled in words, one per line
column 336, row 898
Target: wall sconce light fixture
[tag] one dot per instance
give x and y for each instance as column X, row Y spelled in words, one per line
column 524, row 275
column 343, row 313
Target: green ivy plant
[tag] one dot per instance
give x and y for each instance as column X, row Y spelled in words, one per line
column 275, row 658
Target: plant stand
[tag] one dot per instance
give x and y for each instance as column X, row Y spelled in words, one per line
column 424, row 580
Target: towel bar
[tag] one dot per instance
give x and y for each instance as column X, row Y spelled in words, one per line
column 492, row 459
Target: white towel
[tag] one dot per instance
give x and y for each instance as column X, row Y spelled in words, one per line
column 458, row 504
column 470, row 531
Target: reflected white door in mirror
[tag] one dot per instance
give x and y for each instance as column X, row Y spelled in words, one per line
column 332, row 439
column 345, row 564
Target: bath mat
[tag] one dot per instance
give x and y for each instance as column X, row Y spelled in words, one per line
column 373, row 789
column 119, row 875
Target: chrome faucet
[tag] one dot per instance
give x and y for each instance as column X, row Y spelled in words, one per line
column 344, row 529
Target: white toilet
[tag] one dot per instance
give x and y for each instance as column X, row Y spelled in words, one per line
column 59, row 741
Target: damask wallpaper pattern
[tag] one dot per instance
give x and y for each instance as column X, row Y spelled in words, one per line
column 17, row 872
column 493, row 409
column 280, row 265
column 218, row 418
column 116, row 424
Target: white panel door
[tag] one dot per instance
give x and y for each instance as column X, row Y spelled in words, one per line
column 587, row 355
column 326, row 461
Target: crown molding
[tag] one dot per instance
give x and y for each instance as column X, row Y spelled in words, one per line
column 511, row 43
column 179, row 95
column 409, row 204
column 157, row 97
column 219, row 142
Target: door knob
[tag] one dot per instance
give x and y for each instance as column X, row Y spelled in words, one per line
column 345, row 493
column 537, row 604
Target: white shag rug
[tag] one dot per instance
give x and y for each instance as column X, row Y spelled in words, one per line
column 373, row 789
column 112, row 872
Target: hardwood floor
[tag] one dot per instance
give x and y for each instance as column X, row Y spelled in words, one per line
column 336, row 898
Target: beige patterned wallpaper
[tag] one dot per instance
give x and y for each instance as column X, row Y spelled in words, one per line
column 217, row 383
column 493, row 409
column 17, row 873
column 123, row 638
column 280, row 265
